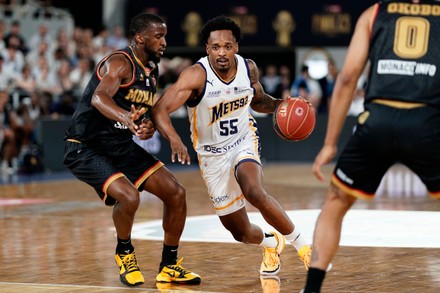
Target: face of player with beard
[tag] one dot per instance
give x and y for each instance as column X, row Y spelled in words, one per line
column 154, row 43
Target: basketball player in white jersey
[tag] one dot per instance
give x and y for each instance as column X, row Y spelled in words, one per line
column 218, row 91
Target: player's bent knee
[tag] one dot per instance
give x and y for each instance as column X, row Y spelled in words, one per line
column 129, row 200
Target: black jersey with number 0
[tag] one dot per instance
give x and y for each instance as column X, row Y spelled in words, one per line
column 404, row 49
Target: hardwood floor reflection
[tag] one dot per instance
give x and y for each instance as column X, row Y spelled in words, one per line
column 59, row 239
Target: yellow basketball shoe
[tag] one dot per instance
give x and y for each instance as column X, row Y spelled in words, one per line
column 129, row 271
column 271, row 263
column 305, row 254
column 177, row 274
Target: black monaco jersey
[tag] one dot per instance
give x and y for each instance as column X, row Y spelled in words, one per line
column 405, row 52
column 91, row 127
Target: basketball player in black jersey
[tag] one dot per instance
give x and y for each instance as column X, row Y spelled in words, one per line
column 100, row 150
column 401, row 121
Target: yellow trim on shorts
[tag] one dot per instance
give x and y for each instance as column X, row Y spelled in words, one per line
column 230, row 204
column 148, row 173
column 109, row 181
column 399, row 104
column 350, row 191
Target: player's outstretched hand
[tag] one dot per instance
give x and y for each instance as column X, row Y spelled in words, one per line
column 179, row 151
column 325, row 156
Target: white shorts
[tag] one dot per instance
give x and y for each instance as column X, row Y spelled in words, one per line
column 219, row 175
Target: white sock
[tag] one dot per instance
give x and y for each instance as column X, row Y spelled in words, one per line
column 296, row 239
column 269, row 240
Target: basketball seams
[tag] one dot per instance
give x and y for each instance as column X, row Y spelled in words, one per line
column 277, row 122
column 285, row 117
column 304, row 118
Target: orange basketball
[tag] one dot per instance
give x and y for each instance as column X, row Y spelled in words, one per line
column 294, row 119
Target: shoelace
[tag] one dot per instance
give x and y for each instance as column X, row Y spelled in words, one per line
column 178, row 267
column 129, row 260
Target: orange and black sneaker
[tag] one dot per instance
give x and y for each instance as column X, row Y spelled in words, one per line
column 177, row 274
column 129, row 272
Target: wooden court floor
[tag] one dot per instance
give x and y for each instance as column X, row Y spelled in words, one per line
column 59, row 239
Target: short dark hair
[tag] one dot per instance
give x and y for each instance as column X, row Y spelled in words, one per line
column 142, row 21
column 220, row 23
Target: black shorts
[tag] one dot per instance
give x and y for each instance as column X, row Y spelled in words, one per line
column 99, row 170
column 384, row 136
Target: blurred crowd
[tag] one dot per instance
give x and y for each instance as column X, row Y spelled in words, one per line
column 44, row 76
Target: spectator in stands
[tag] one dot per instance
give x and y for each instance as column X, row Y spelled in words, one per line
column 14, row 58
column 270, row 81
column 327, row 83
column 8, row 139
column 45, row 79
column 15, row 30
column 312, row 92
column 25, row 126
column 283, row 89
column 83, row 44
column 63, row 84
column 64, row 43
column 88, row 38
column 2, row 34
column 33, row 58
column 100, row 39
column 7, row 7
column 43, row 35
column 7, row 77
column 37, row 106
column 25, row 83
column 117, row 39
column 100, row 52
column 81, row 74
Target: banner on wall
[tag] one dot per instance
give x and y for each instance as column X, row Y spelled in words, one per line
column 282, row 23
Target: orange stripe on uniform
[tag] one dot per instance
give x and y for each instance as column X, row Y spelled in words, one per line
column 109, row 181
column 231, row 203
column 195, row 132
column 148, row 173
column 350, row 191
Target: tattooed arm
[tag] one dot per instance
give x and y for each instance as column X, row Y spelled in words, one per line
column 261, row 102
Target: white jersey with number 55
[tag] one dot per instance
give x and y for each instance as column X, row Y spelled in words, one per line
column 220, row 118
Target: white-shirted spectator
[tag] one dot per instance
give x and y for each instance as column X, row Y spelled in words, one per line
column 14, row 58
column 7, row 77
column 117, row 40
column 42, row 35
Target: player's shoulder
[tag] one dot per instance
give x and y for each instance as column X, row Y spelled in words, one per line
column 118, row 58
column 250, row 62
column 193, row 75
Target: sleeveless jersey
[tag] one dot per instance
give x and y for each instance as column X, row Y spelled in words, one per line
column 91, row 127
column 220, row 117
column 404, row 52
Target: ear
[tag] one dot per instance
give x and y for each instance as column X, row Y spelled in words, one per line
column 138, row 38
column 236, row 48
column 207, row 49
